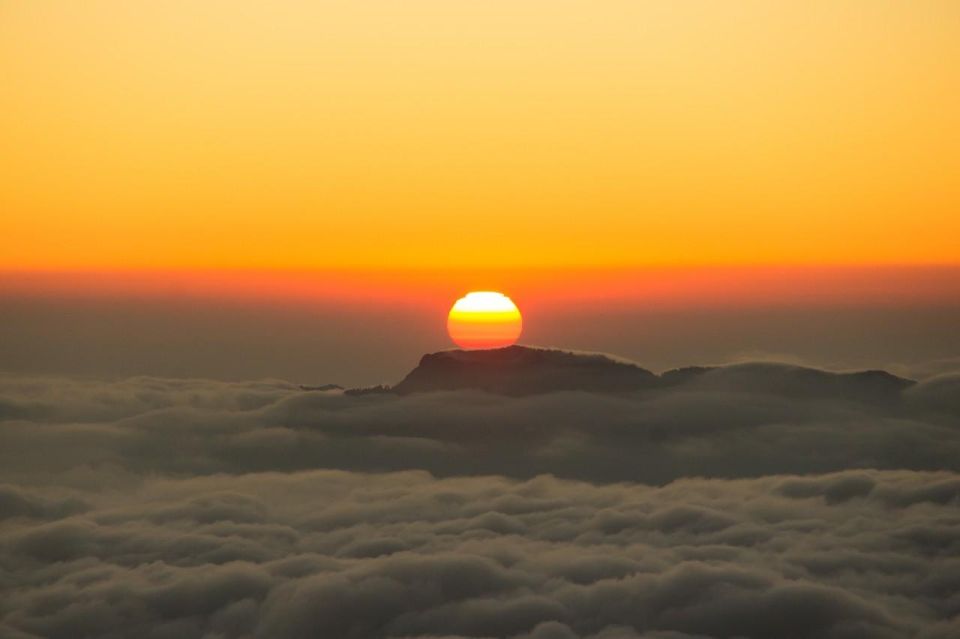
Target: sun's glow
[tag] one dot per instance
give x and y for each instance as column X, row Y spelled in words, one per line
column 484, row 319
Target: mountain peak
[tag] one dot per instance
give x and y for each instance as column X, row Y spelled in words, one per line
column 523, row 370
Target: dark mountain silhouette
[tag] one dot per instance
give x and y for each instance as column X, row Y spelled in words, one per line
column 520, row 370
column 523, row 370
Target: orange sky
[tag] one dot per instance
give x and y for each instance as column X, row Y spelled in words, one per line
column 537, row 290
column 435, row 134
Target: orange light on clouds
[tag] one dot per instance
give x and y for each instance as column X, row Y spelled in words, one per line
column 484, row 319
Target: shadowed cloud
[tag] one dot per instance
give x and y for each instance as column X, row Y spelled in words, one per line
column 747, row 501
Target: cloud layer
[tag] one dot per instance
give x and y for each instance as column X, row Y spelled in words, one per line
column 737, row 422
column 342, row 554
column 191, row 508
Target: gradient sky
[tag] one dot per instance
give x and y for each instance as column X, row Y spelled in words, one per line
column 433, row 134
column 302, row 189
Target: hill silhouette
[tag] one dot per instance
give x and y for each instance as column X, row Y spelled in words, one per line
column 521, row 370
column 524, row 370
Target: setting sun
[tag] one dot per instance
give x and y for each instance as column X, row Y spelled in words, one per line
column 484, row 319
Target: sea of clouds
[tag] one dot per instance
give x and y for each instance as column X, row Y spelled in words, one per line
column 156, row 508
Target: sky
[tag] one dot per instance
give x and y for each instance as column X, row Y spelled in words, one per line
column 433, row 134
column 315, row 329
column 304, row 188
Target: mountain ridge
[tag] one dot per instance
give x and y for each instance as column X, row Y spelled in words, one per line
column 525, row 370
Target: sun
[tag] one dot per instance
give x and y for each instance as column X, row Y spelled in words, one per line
column 484, row 319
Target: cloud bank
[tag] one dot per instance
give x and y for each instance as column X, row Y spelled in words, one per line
column 193, row 508
column 745, row 421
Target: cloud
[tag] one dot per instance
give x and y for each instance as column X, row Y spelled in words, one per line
column 276, row 555
column 193, row 508
column 19, row 502
column 745, row 421
column 940, row 393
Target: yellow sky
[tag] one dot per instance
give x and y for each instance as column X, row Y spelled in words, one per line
column 435, row 133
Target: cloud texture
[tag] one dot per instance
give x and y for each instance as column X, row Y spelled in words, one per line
column 192, row 508
column 743, row 421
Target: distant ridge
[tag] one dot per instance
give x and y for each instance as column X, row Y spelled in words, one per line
column 524, row 370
